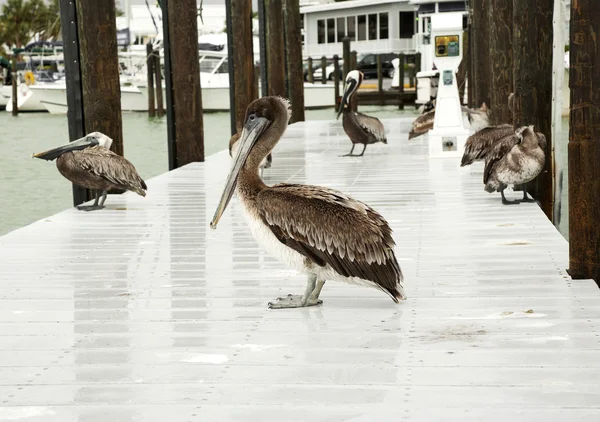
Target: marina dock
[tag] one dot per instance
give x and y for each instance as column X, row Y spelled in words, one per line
column 141, row 312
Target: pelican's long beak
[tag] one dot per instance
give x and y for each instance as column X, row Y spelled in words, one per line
column 79, row 144
column 250, row 134
column 347, row 92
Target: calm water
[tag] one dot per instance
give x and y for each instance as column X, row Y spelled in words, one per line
column 32, row 189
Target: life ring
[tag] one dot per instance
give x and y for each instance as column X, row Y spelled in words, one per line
column 29, row 77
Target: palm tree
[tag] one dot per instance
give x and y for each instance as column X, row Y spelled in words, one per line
column 21, row 20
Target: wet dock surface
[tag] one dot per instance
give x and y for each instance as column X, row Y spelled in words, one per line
column 140, row 312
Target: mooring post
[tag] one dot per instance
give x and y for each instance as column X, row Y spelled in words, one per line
column 241, row 59
column 150, row 69
column 336, row 80
column 401, row 60
column 97, row 29
column 501, row 60
column 275, row 47
column 15, row 93
column 160, row 109
column 417, row 70
column 170, row 107
column 293, row 49
column 354, row 100
column 481, row 52
column 182, row 72
column 262, row 41
column 346, row 58
column 380, row 80
column 310, row 76
column 68, row 21
column 532, row 59
column 323, row 70
column 584, row 141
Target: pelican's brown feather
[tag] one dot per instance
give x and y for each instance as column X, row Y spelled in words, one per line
column 422, row 124
column 479, row 144
column 499, row 150
column 371, row 125
column 314, row 221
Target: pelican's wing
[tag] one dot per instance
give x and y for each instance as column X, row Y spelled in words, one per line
column 232, row 141
column 112, row 167
column 328, row 227
column 498, row 151
column 371, row 125
column 422, row 124
column 541, row 140
column 479, row 144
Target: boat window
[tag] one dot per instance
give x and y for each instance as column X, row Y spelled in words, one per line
column 321, row 31
column 341, row 29
column 330, row 30
column 407, row 24
column 362, row 28
column 352, row 28
column 383, row 26
column 452, row 6
column 373, row 26
column 208, row 64
column 224, row 68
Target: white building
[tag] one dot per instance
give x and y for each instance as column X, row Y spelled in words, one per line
column 383, row 26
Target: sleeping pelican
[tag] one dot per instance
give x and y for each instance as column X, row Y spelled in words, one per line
column 515, row 160
column 264, row 164
column 360, row 128
column 424, row 122
column 320, row 232
column 88, row 162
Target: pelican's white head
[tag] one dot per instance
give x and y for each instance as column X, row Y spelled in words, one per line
column 103, row 140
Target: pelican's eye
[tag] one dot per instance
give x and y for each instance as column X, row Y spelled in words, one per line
column 252, row 117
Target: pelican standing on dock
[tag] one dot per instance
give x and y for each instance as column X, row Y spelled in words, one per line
column 320, row 232
column 360, row 128
column 515, row 160
column 89, row 162
column 264, row 164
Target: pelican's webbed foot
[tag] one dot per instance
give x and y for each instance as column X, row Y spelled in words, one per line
column 309, row 298
column 89, row 207
column 507, row 202
column 525, row 197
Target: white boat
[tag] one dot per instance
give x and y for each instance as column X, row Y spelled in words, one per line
column 27, row 101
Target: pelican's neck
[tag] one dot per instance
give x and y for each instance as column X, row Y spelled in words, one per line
column 249, row 183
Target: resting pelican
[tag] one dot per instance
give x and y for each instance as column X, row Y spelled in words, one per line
column 515, row 160
column 89, row 162
column 478, row 145
column 424, row 122
column 360, row 128
column 320, row 232
column 264, row 164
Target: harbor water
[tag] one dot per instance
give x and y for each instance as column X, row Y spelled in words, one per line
column 33, row 189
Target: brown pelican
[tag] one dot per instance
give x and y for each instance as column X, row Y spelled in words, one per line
column 264, row 164
column 514, row 160
column 360, row 128
column 320, row 232
column 424, row 122
column 479, row 143
column 89, row 162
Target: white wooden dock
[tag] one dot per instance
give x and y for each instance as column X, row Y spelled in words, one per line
column 140, row 312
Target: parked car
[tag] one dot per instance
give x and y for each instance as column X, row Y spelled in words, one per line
column 318, row 73
column 367, row 64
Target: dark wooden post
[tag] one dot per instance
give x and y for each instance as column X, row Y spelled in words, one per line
column 262, row 41
column 293, row 49
column 354, row 100
column 380, row 80
column 346, row 57
column 241, row 59
column 401, row 81
column 323, row 70
column 182, row 71
column 336, row 80
column 68, row 21
column 311, row 78
column 170, row 107
column 150, row 68
column 97, row 30
column 481, row 52
column 417, row 70
column 501, row 60
column 532, row 58
column 584, row 141
column 256, row 80
column 275, row 47
column 15, row 93
column 160, row 108
column 471, row 64
column 461, row 74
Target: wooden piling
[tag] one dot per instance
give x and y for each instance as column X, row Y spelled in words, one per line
column 15, row 93
column 501, row 60
column 72, row 59
column 275, row 47
column 584, row 141
column 293, row 50
column 380, row 80
column 323, row 70
column 401, row 81
column 346, row 57
column 186, row 101
column 97, row 33
column 160, row 108
column 354, row 99
column 481, row 52
column 532, row 59
column 241, row 59
column 310, row 76
column 150, row 75
column 336, row 80
column 262, row 42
